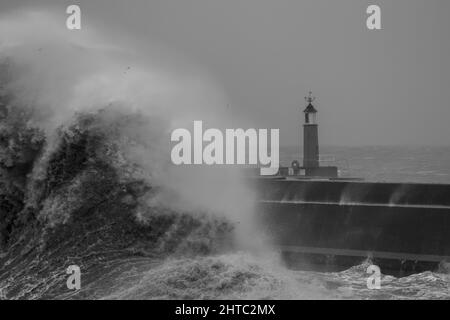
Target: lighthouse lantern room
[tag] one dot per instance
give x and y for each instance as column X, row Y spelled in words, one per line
column 310, row 112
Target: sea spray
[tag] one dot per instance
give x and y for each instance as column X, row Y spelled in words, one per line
column 231, row 276
column 98, row 189
column 54, row 76
column 85, row 181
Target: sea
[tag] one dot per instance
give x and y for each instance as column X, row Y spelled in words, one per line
column 416, row 164
column 178, row 256
column 91, row 209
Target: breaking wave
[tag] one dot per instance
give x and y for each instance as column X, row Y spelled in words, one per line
column 84, row 180
column 80, row 201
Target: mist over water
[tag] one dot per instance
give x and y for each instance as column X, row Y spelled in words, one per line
column 90, row 181
column 54, row 75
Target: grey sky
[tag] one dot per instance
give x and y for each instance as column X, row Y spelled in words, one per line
column 373, row 87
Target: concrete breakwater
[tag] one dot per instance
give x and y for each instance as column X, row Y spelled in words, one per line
column 404, row 228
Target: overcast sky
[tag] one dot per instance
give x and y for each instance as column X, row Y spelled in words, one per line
column 373, row 87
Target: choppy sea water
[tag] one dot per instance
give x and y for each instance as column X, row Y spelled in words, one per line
column 71, row 195
column 84, row 205
column 420, row 164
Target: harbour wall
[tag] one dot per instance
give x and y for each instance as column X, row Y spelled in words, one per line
column 393, row 223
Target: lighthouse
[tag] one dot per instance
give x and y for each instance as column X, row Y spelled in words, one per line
column 310, row 135
column 311, row 166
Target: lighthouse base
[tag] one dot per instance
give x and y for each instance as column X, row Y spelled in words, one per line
column 329, row 172
column 310, row 172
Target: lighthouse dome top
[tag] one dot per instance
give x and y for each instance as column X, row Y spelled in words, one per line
column 310, row 108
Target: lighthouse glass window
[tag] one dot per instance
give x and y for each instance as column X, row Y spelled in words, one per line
column 310, row 118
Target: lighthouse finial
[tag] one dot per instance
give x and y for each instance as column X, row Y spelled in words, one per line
column 310, row 98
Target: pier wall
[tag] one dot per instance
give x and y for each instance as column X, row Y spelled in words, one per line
column 355, row 192
column 390, row 221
